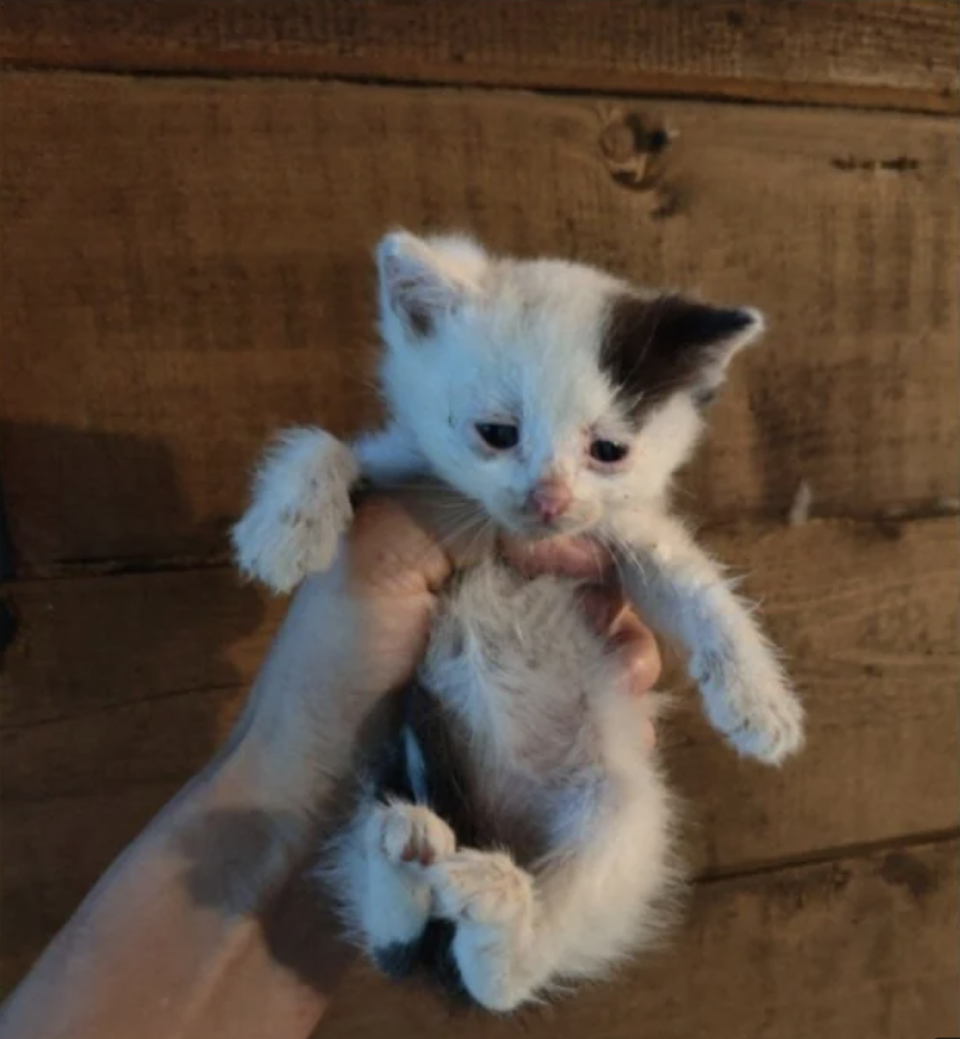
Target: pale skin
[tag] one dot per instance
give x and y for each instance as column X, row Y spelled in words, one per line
column 205, row 926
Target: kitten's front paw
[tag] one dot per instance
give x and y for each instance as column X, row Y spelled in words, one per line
column 480, row 886
column 301, row 506
column 751, row 704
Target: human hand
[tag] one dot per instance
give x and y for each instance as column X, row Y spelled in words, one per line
column 393, row 568
column 358, row 631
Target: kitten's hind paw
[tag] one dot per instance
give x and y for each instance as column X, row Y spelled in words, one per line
column 481, row 886
column 301, row 506
column 413, row 834
column 753, row 707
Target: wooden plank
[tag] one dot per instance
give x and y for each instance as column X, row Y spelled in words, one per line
column 884, row 53
column 84, row 645
column 118, row 688
column 130, row 683
column 203, row 274
column 861, row 946
column 873, row 936
column 38, row 896
column 151, row 744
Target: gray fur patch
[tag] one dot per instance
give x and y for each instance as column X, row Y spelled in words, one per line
column 655, row 348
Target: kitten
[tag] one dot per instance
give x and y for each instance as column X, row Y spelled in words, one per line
column 516, row 835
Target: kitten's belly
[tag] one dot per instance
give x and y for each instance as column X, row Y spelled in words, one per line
column 539, row 706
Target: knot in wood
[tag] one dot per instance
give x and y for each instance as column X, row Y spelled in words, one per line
column 633, row 147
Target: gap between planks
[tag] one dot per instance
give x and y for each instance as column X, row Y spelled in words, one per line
column 864, row 100
column 826, row 54
column 834, row 853
column 888, row 524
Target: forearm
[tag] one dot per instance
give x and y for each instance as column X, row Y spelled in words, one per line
column 198, row 928
column 176, row 933
column 205, row 927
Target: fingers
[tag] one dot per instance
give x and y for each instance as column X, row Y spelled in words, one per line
column 570, row 557
column 636, row 646
column 389, row 542
column 391, row 551
column 605, row 608
column 604, row 605
column 640, row 651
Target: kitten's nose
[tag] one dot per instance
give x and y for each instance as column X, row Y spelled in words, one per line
column 550, row 499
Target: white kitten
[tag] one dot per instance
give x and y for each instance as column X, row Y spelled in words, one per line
column 517, row 832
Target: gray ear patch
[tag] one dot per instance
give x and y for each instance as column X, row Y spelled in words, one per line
column 655, row 348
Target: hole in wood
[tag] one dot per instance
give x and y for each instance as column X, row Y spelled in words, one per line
column 634, row 148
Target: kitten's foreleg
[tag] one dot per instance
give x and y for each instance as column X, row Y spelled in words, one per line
column 301, row 500
column 682, row 591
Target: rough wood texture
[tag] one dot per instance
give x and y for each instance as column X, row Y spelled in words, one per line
column 862, row 946
column 865, row 945
column 85, row 645
column 118, row 688
column 899, row 54
column 185, row 268
column 54, row 851
column 203, row 275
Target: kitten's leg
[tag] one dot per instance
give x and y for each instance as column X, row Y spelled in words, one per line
column 387, row 456
column 301, row 500
column 394, row 899
column 491, row 900
column 683, row 591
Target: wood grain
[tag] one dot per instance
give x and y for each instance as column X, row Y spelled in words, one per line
column 860, row 946
column 883, row 53
column 119, row 688
column 88, row 644
column 54, row 851
column 185, row 268
column 203, row 277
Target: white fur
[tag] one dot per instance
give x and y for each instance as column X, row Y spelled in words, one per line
column 681, row 590
column 301, row 506
column 541, row 697
column 474, row 339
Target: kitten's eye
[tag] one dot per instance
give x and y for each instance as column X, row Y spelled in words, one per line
column 608, row 452
column 498, row 435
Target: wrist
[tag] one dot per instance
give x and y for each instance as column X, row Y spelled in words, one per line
column 295, row 740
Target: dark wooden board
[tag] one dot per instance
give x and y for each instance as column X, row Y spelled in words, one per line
column 202, row 276
column 882, row 53
column 860, row 946
column 118, row 688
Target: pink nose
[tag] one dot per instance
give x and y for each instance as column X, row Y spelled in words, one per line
column 550, row 499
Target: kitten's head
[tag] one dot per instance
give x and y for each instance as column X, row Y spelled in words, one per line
column 549, row 392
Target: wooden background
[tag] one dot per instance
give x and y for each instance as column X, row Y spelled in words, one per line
column 189, row 196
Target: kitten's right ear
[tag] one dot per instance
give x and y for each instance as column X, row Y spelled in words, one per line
column 420, row 282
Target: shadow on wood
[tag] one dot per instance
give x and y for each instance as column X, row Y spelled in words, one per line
column 99, row 478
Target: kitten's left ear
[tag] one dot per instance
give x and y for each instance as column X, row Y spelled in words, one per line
column 421, row 280
column 653, row 348
column 705, row 336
